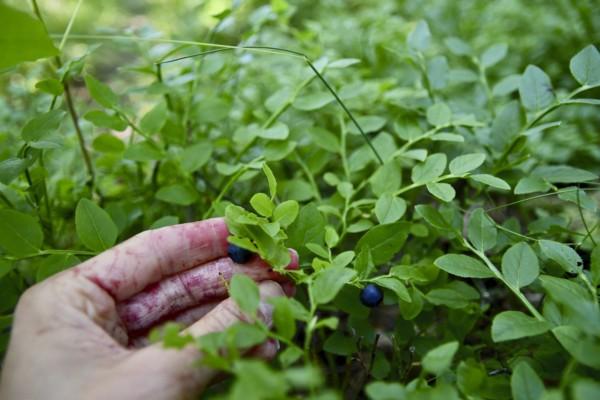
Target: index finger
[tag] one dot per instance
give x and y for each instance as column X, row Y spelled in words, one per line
column 150, row 256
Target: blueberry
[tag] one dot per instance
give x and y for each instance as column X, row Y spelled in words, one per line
column 371, row 295
column 238, row 254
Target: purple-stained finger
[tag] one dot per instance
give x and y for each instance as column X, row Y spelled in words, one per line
column 191, row 288
column 152, row 255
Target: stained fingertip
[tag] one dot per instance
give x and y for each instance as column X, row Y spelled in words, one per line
column 289, row 289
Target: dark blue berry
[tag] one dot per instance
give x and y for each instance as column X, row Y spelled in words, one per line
column 238, row 254
column 371, row 295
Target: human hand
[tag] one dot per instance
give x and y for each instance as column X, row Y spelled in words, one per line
column 81, row 334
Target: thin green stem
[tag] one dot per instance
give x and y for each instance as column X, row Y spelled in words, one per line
column 343, row 134
column 510, row 231
column 537, row 197
column 69, row 26
column 75, row 119
column 343, row 105
column 227, row 186
column 275, row 116
column 309, row 176
column 259, row 49
column 419, row 184
column 424, row 136
column 585, row 225
column 499, row 276
column 50, row 252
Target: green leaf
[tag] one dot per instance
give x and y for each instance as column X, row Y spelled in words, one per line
column 324, row 139
column 532, row 184
column 585, row 389
column 107, row 143
column 20, row 234
column 5, row 267
column 583, row 348
column 283, row 317
column 331, row 237
column 318, row 250
column 494, row 54
column 506, row 85
column 244, row 291
column 585, row 66
column 439, row 359
column 167, row 220
column 463, row 266
column 153, row 121
column 94, row 227
column 22, row 38
column 442, row 191
column 343, row 63
column 101, row 92
column 309, row 227
column 389, row 208
column 313, row 101
column 439, row 114
column 490, row 181
column 196, row 156
column 11, row 168
column 451, row 297
column 384, row 241
column 103, row 120
column 385, row 391
column 563, row 174
column 470, row 376
column 433, row 217
column 270, row 180
column 562, row 254
column 520, row 265
column 143, row 151
column 395, row 285
column 369, row 123
column 182, row 195
column 339, row 344
column 458, row 46
column 286, row 212
column 279, row 131
column 511, row 325
column 535, row 89
column 42, row 125
column 429, row 170
column 437, row 72
column 262, row 204
column 55, row 264
column 50, row 86
column 525, row 383
column 482, row 230
column 420, row 37
column 466, row 163
column 329, row 282
column 387, row 178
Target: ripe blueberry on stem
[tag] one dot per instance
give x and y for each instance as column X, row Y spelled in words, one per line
column 238, row 254
column 371, row 295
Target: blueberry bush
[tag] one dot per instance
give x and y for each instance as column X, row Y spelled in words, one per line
column 435, row 163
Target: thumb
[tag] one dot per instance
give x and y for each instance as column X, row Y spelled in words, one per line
column 175, row 372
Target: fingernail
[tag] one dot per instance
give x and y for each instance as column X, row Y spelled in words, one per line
column 295, row 260
column 265, row 312
column 275, row 343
